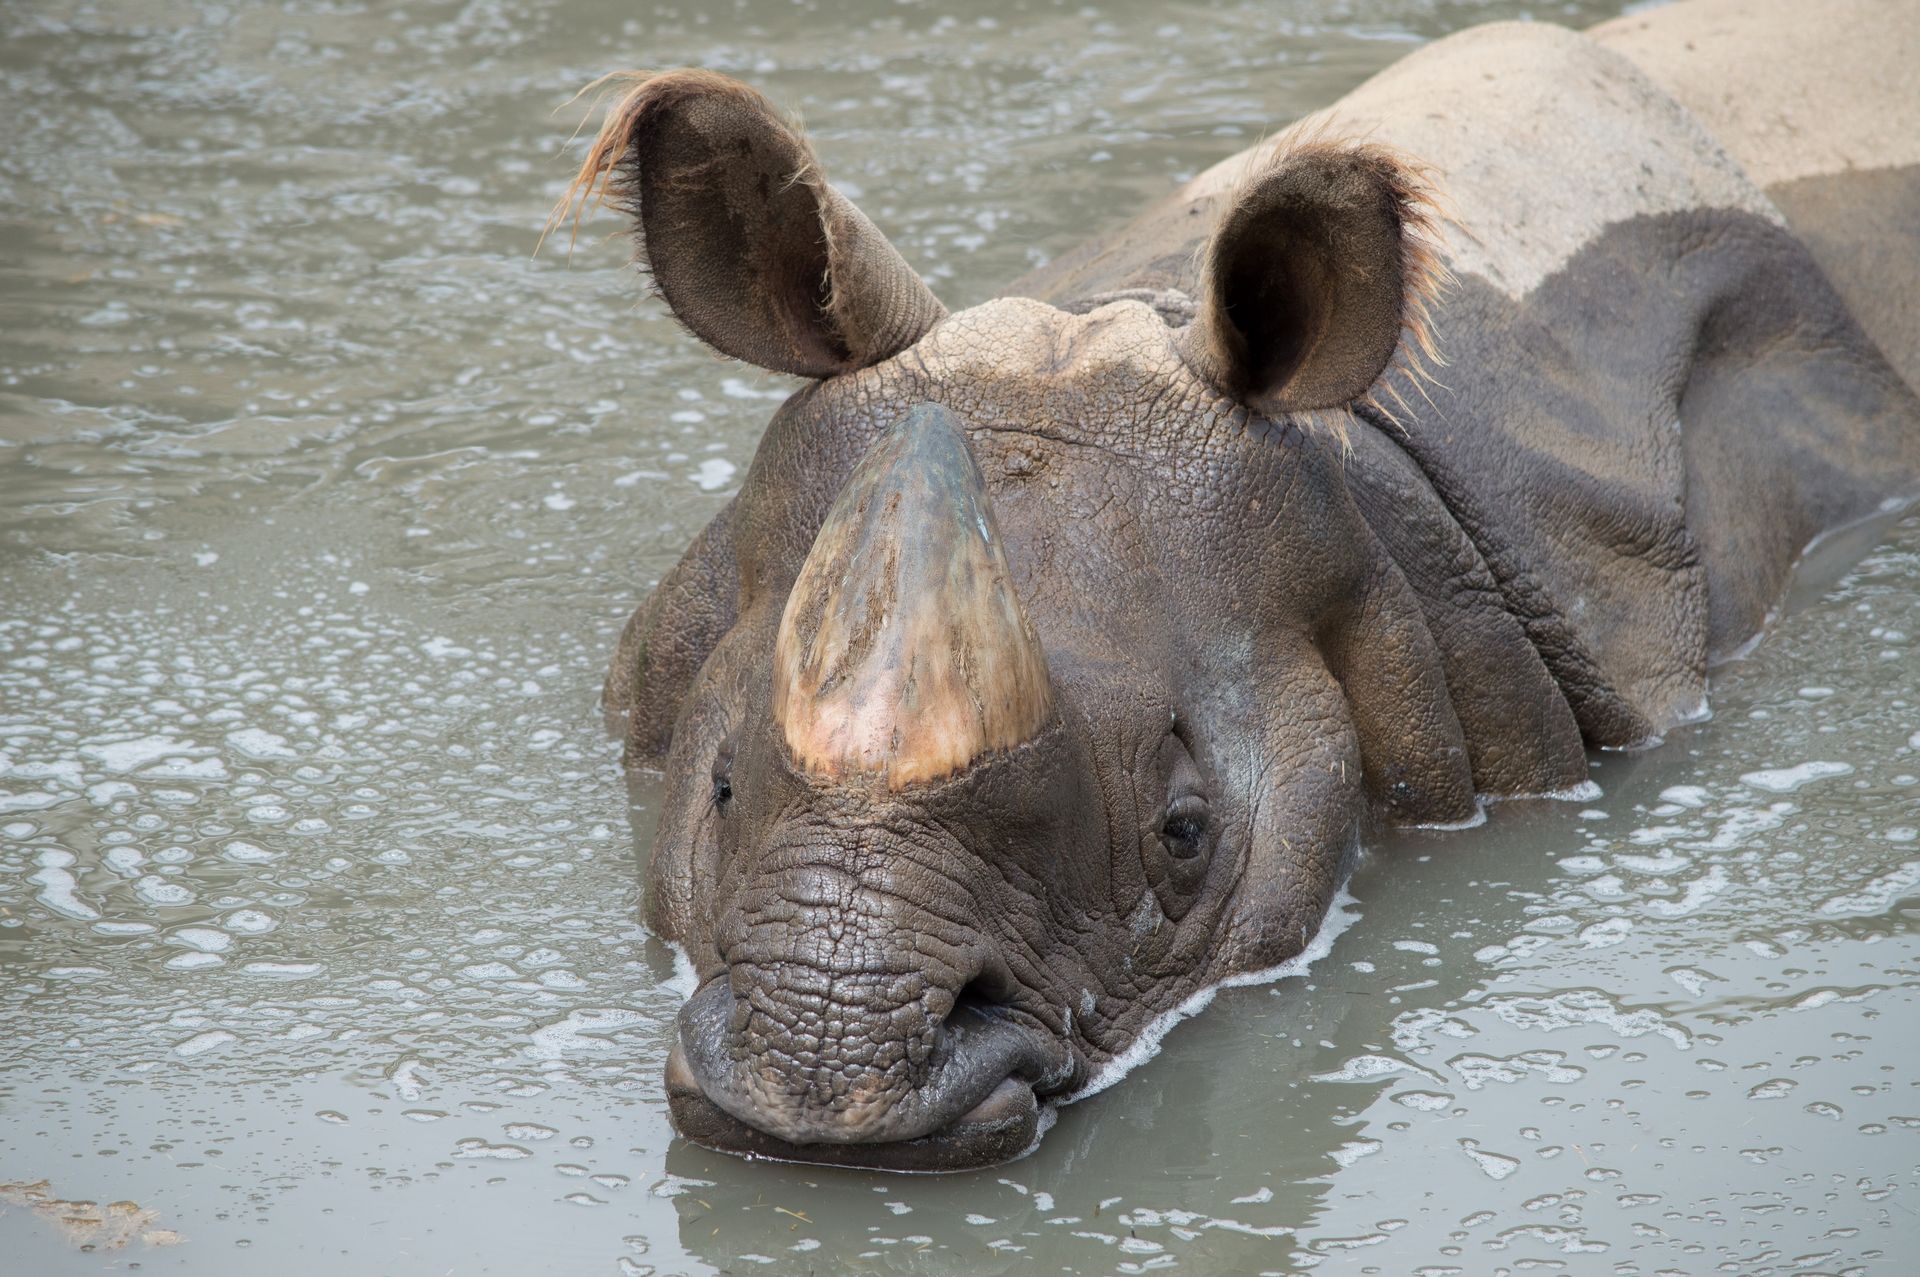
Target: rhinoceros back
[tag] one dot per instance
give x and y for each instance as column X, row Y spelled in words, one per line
column 1653, row 397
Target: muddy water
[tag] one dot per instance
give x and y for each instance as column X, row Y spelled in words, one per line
column 321, row 499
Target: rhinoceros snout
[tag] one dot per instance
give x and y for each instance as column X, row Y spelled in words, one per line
column 889, row 1069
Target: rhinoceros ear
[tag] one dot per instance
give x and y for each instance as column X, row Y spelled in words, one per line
column 746, row 241
column 1320, row 261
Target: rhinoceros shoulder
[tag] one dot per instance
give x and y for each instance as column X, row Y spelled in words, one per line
column 1820, row 104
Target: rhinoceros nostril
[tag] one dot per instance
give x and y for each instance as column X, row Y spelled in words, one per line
column 992, row 992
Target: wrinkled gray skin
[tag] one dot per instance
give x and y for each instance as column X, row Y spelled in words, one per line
column 1282, row 590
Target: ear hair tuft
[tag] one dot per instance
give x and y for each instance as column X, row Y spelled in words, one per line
column 610, row 174
column 740, row 233
column 1405, row 189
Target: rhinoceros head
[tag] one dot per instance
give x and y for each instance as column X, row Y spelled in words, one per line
column 1055, row 670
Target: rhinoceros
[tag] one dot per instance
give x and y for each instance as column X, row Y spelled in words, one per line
column 1055, row 656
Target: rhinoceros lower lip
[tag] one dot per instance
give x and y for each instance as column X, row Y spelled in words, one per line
column 998, row 1129
column 976, row 1106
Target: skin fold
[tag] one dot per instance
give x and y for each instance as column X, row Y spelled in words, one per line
column 1055, row 656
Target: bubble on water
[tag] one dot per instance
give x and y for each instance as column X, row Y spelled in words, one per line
column 1696, row 895
column 287, row 971
column 1364, row 1068
column 155, row 890
column 249, row 922
column 1477, row 1071
column 1877, row 895
column 59, row 890
column 1823, row 997
column 478, row 1149
column 1494, row 1166
column 1667, row 862
column 186, row 769
column 203, row 939
column 122, row 755
column 582, row 1030
column 1423, row 1101
column 1353, row 1150
column 1693, row 980
column 407, row 1080
column 1584, row 1006
column 1785, row 780
column 201, row 1043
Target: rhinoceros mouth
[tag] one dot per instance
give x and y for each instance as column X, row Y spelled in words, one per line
column 1005, row 1125
column 980, row 1106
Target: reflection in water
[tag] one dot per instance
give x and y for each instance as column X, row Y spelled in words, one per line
column 321, row 500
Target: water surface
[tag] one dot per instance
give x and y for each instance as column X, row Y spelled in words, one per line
column 322, row 498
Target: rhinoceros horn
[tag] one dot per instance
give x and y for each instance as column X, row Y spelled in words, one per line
column 904, row 654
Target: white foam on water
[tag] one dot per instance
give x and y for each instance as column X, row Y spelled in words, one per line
column 714, row 474
column 1685, row 795
column 1353, row 1150
column 1477, row 819
column 1784, row 780
column 131, row 755
column 287, row 971
column 201, row 1043
column 201, row 939
column 1340, row 915
column 59, row 890
column 1878, row 894
column 1495, row 1165
column 580, row 1031
column 250, row 922
column 258, row 743
column 1586, row 791
column 1697, row 894
column 685, row 981
column 1365, row 1068
column 1585, row 1006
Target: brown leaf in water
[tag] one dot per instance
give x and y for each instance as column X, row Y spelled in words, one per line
column 89, row 1225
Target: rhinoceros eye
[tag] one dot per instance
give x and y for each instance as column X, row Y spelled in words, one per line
column 723, row 777
column 1185, row 829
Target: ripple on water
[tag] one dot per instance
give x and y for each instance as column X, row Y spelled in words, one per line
column 321, row 502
